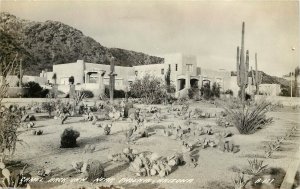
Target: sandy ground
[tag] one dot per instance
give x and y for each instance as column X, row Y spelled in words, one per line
column 215, row 169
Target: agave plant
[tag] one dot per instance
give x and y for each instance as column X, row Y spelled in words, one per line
column 256, row 166
column 249, row 118
column 239, row 181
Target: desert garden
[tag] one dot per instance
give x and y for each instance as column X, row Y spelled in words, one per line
column 148, row 138
column 186, row 143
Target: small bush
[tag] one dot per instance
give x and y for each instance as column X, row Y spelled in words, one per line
column 215, row 90
column 68, row 138
column 49, row 107
column 193, row 93
column 206, row 92
column 150, row 89
column 117, row 93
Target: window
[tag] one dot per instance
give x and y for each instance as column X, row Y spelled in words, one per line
column 170, row 67
column 189, row 67
column 176, row 67
column 136, row 73
column 162, row 71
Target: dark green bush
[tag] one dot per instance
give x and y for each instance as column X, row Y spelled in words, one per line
column 35, row 90
column 117, row 93
column 206, row 91
column 193, row 92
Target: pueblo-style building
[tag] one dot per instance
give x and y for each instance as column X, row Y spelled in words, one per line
column 184, row 73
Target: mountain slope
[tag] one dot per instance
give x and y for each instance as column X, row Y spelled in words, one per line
column 52, row 42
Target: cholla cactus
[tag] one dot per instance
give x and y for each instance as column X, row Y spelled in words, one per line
column 242, row 63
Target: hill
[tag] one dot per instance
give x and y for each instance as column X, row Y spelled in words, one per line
column 42, row 44
column 268, row 79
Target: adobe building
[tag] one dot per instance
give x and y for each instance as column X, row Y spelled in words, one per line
column 185, row 73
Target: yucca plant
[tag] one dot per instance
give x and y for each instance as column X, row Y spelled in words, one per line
column 249, row 118
column 256, row 166
column 79, row 97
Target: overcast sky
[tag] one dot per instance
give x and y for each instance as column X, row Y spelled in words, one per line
column 210, row 30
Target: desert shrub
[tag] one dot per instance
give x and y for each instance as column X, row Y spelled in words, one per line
column 68, row 138
column 150, row 89
column 248, row 118
column 49, row 107
column 209, row 93
column 215, row 90
column 35, row 90
column 117, row 93
column 205, row 91
column 193, row 93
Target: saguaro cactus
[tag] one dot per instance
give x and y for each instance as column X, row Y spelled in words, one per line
column 242, row 64
column 112, row 80
column 257, row 78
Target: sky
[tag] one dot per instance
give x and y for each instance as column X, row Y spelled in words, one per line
column 211, row 30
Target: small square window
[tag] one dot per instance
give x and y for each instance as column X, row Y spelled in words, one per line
column 162, row 71
column 176, row 67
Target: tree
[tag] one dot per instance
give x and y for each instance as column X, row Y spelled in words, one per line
column 149, row 88
column 35, row 90
column 168, row 80
column 215, row 90
column 205, row 91
column 54, row 77
column 71, row 80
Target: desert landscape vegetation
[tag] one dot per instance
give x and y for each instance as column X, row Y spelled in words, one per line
column 145, row 137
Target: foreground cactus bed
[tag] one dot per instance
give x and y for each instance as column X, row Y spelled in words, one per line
column 150, row 142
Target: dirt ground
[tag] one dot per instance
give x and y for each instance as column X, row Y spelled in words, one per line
column 215, row 169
